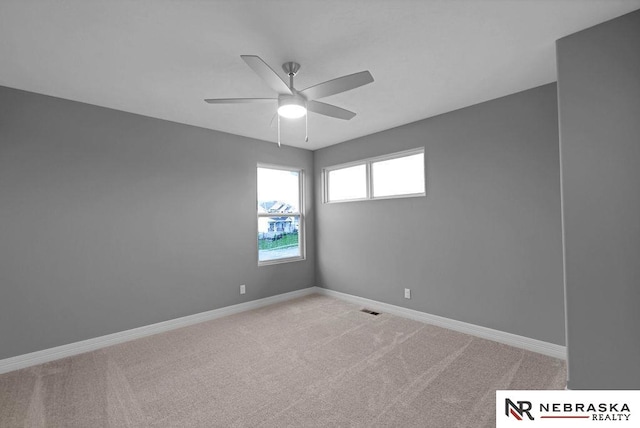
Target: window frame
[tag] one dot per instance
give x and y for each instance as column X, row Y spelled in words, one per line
column 369, row 177
column 300, row 214
column 327, row 181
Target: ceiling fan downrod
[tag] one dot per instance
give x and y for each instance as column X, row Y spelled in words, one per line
column 291, row 68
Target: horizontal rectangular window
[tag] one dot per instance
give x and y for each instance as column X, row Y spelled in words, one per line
column 280, row 217
column 391, row 176
column 348, row 183
column 398, row 176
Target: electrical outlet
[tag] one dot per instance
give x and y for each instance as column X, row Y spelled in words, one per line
column 407, row 293
column 243, row 289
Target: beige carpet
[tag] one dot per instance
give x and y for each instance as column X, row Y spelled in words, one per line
column 313, row 361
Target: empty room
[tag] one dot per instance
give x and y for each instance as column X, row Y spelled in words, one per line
column 308, row 213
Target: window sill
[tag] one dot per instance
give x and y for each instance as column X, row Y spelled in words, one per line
column 379, row 198
column 280, row 261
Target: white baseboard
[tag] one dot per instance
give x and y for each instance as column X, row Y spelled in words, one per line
column 546, row 348
column 46, row 355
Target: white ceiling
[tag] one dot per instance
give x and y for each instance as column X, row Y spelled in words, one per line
column 162, row 58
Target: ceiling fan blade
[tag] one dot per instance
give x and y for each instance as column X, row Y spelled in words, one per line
column 329, row 110
column 240, row 100
column 335, row 86
column 268, row 75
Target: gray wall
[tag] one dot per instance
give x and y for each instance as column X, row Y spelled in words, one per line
column 110, row 221
column 599, row 94
column 484, row 246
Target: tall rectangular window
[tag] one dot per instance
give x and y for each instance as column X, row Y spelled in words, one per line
column 280, row 215
column 398, row 175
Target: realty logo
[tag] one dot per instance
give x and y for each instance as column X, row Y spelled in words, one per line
column 517, row 411
column 567, row 408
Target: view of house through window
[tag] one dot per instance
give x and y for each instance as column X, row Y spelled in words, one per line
column 280, row 221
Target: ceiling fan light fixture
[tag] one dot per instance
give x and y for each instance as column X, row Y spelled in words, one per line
column 292, row 107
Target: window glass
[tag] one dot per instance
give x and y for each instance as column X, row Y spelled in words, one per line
column 278, row 238
column 347, row 183
column 278, row 190
column 399, row 176
column 279, row 217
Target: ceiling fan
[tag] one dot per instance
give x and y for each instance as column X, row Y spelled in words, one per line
column 292, row 103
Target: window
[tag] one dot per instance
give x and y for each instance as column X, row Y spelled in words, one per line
column 398, row 176
column 391, row 176
column 347, row 184
column 280, row 218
